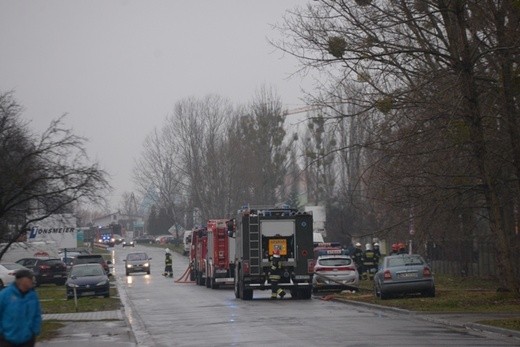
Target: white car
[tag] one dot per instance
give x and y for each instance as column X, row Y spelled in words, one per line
column 335, row 272
column 128, row 244
column 7, row 273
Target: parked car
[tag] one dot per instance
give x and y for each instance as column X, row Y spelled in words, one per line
column 335, row 272
column 92, row 259
column 166, row 239
column 137, row 262
column 7, row 273
column 46, row 270
column 145, row 239
column 128, row 243
column 88, row 280
column 404, row 274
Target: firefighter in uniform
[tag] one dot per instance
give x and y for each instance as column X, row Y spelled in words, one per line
column 275, row 275
column 401, row 248
column 369, row 261
column 377, row 252
column 168, row 271
column 357, row 256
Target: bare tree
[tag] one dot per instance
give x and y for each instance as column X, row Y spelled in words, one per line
column 436, row 77
column 41, row 175
column 263, row 151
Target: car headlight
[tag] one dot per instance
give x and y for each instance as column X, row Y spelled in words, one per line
column 102, row 283
column 146, row 264
column 72, row 285
column 128, row 265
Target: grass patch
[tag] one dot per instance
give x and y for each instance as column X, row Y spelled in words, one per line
column 453, row 295
column 49, row 330
column 53, row 300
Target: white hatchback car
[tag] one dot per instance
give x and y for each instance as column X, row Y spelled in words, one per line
column 335, row 272
column 8, row 272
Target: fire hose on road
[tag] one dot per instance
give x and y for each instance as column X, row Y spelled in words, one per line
column 185, row 277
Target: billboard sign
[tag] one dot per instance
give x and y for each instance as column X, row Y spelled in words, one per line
column 58, row 229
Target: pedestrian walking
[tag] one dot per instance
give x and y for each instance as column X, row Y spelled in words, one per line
column 20, row 312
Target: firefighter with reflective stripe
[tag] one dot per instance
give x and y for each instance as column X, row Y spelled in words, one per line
column 369, row 261
column 357, row 256
column 275, row 275
column 168, row 270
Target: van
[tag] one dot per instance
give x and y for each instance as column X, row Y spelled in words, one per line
column 317, row 237
column 187, row 242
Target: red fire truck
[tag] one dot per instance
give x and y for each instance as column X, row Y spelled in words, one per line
column 220, row 256
column 198, row 251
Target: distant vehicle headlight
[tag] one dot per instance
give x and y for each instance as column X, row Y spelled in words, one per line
column 128, row 265
column 146, row 264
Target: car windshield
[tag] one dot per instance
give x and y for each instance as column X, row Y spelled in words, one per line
column 85, row 271
column 335, row 262
column 137, row 256
column 404, row 261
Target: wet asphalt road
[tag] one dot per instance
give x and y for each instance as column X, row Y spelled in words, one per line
column 165, row 313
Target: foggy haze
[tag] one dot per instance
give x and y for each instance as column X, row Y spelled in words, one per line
column 118, row 67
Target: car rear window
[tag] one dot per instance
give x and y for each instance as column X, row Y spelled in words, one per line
column 52, row 261
column 82, row 271
column 404, row 261
column 335, row 261
column 88, row 259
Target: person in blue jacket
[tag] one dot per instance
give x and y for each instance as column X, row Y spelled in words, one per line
column 20, row 312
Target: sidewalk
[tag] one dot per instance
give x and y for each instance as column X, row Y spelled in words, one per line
column 97, row 329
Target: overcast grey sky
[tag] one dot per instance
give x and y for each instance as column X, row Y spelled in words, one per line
column 118, row 67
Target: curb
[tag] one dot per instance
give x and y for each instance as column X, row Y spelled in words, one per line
column 132, row 317
column 85, row 316
column 424, row 316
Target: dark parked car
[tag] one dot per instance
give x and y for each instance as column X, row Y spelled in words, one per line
column 404, row 274
column 145, row 239
column 46, row 270
column 87, row 280
column 92, row 259
column 137, row 262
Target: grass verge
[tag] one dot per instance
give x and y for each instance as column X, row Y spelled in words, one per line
column 53, row 300
column 453, row 295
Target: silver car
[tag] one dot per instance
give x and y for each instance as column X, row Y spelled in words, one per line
column 137, row 262
column 335, row 272
column 404, row 274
